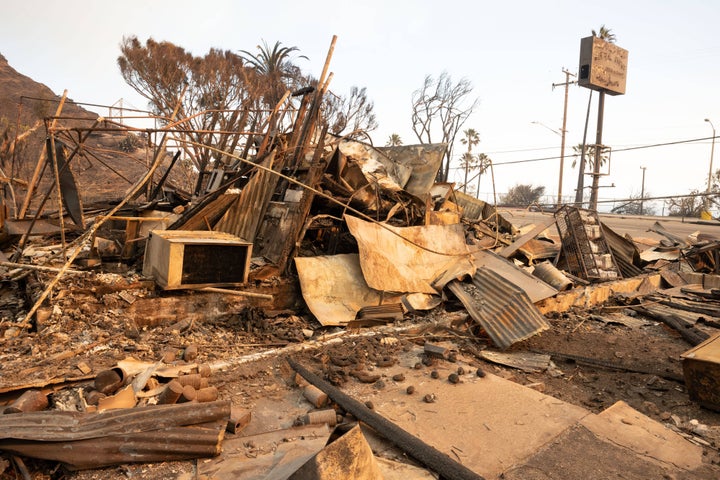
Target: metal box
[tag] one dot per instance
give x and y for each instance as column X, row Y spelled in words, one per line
column 193, row 259
column 701, row 369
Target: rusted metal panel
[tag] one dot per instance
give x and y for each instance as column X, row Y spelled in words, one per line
column 68, row 187
column 535, row 288
column 244, row 216
column 625, row 252
column 424, row 162
column 410, row 259
column 208, row 215
column 145, row 434
column 503, row 310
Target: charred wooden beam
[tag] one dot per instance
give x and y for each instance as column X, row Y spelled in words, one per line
column 686, row 330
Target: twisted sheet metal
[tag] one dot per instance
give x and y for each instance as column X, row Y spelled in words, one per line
column 500, row 307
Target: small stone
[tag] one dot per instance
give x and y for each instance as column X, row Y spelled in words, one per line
column 480, row 373
column 665, row 416
column 453, row 378
column 399, row 377
column 461, row 371
column 435, row 374
column 452, row 357
column 650, row 407
column 429, row 398
column 369, row 405
column 418, row 366
column 410, row 390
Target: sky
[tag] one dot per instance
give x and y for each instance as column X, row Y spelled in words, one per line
column 511, row 52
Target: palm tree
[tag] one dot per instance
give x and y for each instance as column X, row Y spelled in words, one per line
column 394, row 140
column 589, row 155
column 467, row 161
column 604, row 34
column 472, row 138
column 275, row 67
column 483, row 162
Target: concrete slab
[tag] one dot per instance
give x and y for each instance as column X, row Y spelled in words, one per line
column 624, row 426
column 577, row 453
column 487, row 424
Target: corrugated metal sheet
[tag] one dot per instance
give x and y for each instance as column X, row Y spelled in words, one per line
column 503, row 310
column 624, row 251
column 244, row 216
column 535, row 288
column 145, row 434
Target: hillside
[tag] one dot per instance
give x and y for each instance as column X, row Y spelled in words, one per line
column 103, row 172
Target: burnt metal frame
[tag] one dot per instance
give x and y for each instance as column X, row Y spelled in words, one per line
column 576, row 244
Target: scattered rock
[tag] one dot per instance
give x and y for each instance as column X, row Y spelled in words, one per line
column 429, row 398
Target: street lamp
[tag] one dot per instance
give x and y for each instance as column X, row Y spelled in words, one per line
column 712, row 152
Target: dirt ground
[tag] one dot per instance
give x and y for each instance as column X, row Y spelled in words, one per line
column 595, row 363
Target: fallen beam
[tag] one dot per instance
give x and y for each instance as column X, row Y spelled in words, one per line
column 426, row 454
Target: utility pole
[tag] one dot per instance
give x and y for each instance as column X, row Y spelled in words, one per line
column 598, row 153
column 642, row 190
column 563, row 131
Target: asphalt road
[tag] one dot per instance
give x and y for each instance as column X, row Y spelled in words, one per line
column 636, row 226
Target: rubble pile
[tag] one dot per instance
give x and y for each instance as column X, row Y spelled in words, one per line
column 300, row 251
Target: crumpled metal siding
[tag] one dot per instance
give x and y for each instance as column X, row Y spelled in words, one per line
column 500, row 307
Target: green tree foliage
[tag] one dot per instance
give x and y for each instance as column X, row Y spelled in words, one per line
column 604, row 33
column 394, row 140
column 589, row 156
column 482, row 163
column 440, row 109
column 276, row 70
column 470, row 138
column 522, row 195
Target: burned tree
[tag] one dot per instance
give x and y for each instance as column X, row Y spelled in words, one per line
column 440, row 109
column 220, row 92
column 350, row 115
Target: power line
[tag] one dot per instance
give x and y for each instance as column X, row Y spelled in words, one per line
column 627, row 149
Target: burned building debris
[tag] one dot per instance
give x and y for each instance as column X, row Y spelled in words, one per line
column 141, row 294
